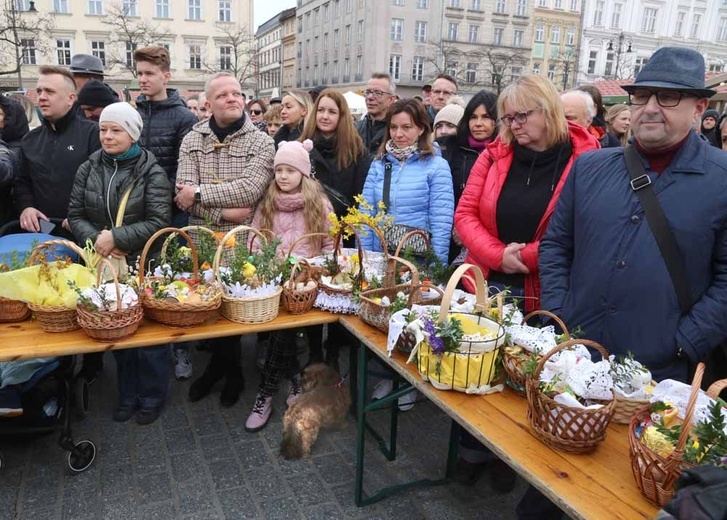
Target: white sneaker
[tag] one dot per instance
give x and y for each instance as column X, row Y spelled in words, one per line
column 406, row 402
column 182, row 364
column 382, row 389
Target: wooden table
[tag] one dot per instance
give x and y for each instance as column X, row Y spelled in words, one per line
column 597, row 485
column 26, row 340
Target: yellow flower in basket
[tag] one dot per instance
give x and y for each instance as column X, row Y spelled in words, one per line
column 248, row 270
column 230, row 241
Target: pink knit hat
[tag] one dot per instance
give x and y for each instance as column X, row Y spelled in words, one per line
column 295, row 154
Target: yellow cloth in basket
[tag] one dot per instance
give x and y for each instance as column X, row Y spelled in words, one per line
column 27, row 285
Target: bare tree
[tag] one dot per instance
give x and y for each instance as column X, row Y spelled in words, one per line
column 499, row 63
column 566, row 67
column 236, row 53
column 22, row 35
column 129, row 33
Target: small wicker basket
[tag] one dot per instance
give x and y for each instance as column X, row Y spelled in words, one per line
column 513, row 364
column 565, row 428
column 13, row 310
column 249, row 309
column 426, row 284
column 174, row 313
column 110, row 325
column 299, row 301
column 338, row 291
column 626, row 408
column 56, row 318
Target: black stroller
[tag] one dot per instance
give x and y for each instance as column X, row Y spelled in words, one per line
column 51, row 397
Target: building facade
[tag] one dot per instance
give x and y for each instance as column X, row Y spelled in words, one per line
column 482, row 43
column 619, row 36
column 289, row 21
column 556, row 34
column 201, row 36
column 270, row 57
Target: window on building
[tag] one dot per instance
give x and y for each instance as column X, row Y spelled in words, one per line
column 315, row 75
column 21, row 5
column 616, row 16
column 715, row 67
column 455, row 3
column 29, row 51
column 500, row 6
column 570, row 36
column 696, row 20
column 334, row 77
column 300, row 49
column 722, row 31
column 60, row 6
column 194, row 10
column 325, row 42
column 517, row 38
column 347, row 70
column 451, row 68
column 315, row 17
column 360, row 31
column 551, row 72
column 395, row 67
column 349, row 8
column 522, row 7
column 539, row 33
column 315, row 46
column 470, row 74
column 397, row 29
column 326, row 14
column 129, row 49
column 497, row 35
column 452, row 31
column 336, row 38
column 337, row 8
column 558, row 4
column 195, row 56
column 422, row 4
column 575, row 5
column 98, row 49
column 515, row 73
column 324, row 78
column 476, row 6
column 95, row 7
column 348, row 35
column 63, row 50
column 474, row 33
column 420, row 31
column 592, row 59
column 536, row 67
column 417, row 68
column 359, row 68
column 543, row 3
column 598, row 14
column 648, row 22
column 224, row 11
column 226, row 57
column 639, row 64
column 679, row 26
column 609, row 70
column 130, row 8
column 555, row 35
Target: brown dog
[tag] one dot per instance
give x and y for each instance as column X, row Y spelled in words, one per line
column 323, row 403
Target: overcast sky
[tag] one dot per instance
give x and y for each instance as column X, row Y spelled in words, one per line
column 266, row 9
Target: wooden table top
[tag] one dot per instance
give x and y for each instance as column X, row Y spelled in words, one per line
column 27, row 340
column 597, row 485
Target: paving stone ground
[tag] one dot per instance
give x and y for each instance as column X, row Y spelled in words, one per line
column 197, row 462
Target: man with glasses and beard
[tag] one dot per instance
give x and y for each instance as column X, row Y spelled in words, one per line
column 379, row 94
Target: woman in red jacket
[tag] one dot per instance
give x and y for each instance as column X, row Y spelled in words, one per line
column 513, row 187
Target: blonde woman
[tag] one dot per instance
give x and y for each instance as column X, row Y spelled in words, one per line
column 296, row 106
column 618, row 122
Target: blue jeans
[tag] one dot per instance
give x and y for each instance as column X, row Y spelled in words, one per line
column 143, row 376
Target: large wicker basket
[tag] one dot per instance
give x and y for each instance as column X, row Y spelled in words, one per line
column 174, row 313
column 561, row 427
column 513, row 364
column 250, row 309
column 110, row 325
column 56, row 318
column 13, row 310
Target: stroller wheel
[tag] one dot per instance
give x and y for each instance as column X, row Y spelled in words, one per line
column 82, row 456
column 80, row 391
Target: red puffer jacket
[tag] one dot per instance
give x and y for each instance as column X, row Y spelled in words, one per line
column 475, row 218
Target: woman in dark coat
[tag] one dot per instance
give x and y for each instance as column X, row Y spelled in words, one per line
column 297, row 106
column 13, row 126
column 101, row 183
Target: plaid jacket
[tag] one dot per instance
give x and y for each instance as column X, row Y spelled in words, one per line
column 232, row 174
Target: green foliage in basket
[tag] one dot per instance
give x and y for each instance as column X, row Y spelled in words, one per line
column 263, row 266
column 429, row 265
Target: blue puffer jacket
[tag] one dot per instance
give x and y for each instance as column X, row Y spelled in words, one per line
column 601, row 269
column 421, row 196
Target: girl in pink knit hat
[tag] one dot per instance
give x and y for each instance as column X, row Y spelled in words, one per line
column 294, row 205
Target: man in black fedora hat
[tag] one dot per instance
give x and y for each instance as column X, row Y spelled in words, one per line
column 636, row 256
column 86, row 67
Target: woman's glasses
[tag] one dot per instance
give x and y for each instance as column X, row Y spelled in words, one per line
column 520, row 118
column 256, row 112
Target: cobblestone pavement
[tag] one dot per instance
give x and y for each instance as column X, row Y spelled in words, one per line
column 197, row 462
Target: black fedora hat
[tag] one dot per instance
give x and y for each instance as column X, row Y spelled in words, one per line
column 673, row 68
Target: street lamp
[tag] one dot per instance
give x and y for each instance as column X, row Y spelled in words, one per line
column 620, row 40
column 18, row 52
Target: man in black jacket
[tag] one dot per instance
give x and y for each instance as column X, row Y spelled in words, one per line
column 51, row 154
column 379, row 95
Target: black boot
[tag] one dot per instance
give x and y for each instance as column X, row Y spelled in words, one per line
column 234, row 384
column 203, row 386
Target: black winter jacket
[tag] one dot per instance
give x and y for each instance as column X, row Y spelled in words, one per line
column 97, row 191
column 372, row 133
column 461, row 159
column 286, row 134
column 49, row 160
column 15, row 126
column 166, row 123
column 346, row 182
column 7, row 173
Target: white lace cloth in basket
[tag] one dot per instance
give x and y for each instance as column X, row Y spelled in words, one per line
column 575, row 369
column 677, row 394
column 533, row 339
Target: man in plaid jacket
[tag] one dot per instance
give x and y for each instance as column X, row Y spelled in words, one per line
column 225, row 167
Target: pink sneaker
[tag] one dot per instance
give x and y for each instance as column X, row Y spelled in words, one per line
column 295, row 391
column 260, row 414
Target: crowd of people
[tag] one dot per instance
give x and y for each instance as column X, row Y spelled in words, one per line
column 532, row 186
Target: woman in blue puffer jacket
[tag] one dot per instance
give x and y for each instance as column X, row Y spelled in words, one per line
column 420, row 191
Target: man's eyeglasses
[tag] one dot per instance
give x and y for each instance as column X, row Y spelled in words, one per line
column 520, row 118
column 440, row 92
column 375, row 93
column 665, row 98
column 256, row 112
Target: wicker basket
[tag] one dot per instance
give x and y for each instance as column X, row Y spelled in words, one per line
column 174, row 313
column 110, row 325
column 338, row 291
column 299, row 301
column 626, row 408
column 252, row 309
column 13, row 310
column 513, row 364
column 56, row 318
column 426, row 284
column 561, row 427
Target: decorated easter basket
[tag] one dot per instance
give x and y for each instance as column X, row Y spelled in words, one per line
column 474, row 366
column 300, row 300
column 429, row 294
column 13, row 310
column 566, row 428
column 334, row 290
column 115, row 325
column 246, row 309
column 177, row 313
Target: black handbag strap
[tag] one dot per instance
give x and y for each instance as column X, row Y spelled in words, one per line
column 641, row 184
column 387, row 184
